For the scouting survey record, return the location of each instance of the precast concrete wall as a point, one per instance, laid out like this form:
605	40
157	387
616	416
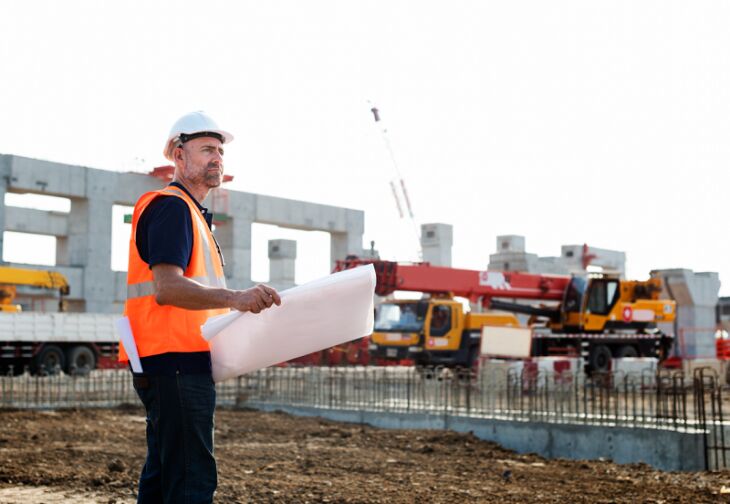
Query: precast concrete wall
663	449
83	235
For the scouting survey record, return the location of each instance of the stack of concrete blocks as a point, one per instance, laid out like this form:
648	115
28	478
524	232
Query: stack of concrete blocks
282	263
436	242
83	236
696	295
511	256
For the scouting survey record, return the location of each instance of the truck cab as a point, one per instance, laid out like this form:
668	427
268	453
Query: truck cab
434	331
399	324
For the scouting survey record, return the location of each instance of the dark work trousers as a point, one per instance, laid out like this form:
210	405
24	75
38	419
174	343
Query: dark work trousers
180	467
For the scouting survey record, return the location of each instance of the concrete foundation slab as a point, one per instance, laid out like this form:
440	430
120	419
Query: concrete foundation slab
664	449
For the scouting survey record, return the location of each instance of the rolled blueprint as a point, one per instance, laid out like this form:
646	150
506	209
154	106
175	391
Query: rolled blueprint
312	317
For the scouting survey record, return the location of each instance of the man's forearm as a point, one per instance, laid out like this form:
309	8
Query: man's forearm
185	293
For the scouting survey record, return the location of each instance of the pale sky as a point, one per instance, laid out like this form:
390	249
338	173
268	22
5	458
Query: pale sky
569	122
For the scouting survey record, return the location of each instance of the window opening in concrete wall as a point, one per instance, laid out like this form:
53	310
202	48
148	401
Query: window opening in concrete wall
313	252
28	248
121	229
38	201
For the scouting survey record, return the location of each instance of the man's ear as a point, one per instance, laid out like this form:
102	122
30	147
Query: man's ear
177	154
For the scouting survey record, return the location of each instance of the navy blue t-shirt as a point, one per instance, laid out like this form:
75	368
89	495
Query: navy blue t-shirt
165	230
165	236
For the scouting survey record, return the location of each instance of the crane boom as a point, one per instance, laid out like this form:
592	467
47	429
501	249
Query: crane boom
472	284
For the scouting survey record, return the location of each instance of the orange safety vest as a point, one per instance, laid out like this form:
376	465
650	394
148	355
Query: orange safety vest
159	329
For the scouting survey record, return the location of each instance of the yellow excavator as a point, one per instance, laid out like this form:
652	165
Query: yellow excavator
11	278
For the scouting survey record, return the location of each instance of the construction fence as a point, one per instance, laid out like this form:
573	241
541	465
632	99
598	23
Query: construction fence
664	400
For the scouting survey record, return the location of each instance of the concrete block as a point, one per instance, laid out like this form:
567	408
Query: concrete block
717	367
609	260
282	249
436	243
634	366
510	243
560	369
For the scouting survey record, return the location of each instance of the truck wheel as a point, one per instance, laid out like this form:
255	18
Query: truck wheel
80	359
50	360
600	359
627	351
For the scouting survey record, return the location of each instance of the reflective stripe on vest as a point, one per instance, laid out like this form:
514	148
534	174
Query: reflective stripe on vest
148	288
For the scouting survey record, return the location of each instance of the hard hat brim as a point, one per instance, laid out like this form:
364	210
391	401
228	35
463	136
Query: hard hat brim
227	138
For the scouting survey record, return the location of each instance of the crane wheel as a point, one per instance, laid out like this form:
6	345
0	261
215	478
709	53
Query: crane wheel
50	360
600	359
627	351
80	360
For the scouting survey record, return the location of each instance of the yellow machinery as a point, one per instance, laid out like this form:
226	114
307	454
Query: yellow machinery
602	317
431	331
603	303
10	278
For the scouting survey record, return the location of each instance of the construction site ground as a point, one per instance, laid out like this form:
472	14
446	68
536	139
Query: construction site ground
89	456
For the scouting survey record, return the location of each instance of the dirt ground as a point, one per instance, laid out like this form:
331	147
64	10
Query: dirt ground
90	456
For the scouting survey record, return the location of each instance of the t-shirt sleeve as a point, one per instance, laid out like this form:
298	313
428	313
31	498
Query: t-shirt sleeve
164	233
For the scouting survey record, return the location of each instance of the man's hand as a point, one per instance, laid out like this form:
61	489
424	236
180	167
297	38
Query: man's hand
255	299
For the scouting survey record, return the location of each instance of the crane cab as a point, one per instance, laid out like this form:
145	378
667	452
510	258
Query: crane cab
606	303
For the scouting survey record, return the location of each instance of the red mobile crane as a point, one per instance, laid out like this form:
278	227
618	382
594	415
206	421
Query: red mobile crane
598	317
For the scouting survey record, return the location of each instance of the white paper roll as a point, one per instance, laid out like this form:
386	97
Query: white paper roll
312	317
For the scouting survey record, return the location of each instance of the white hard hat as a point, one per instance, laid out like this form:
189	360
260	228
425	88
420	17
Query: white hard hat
193	125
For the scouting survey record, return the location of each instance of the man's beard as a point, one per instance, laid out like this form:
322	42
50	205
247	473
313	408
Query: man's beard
213	179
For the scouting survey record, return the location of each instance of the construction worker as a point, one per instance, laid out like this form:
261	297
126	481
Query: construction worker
175	282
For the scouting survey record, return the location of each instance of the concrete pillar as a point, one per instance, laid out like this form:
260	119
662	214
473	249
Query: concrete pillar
234	238
88	246
696	295
62	257
436	243
349	242
282	263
